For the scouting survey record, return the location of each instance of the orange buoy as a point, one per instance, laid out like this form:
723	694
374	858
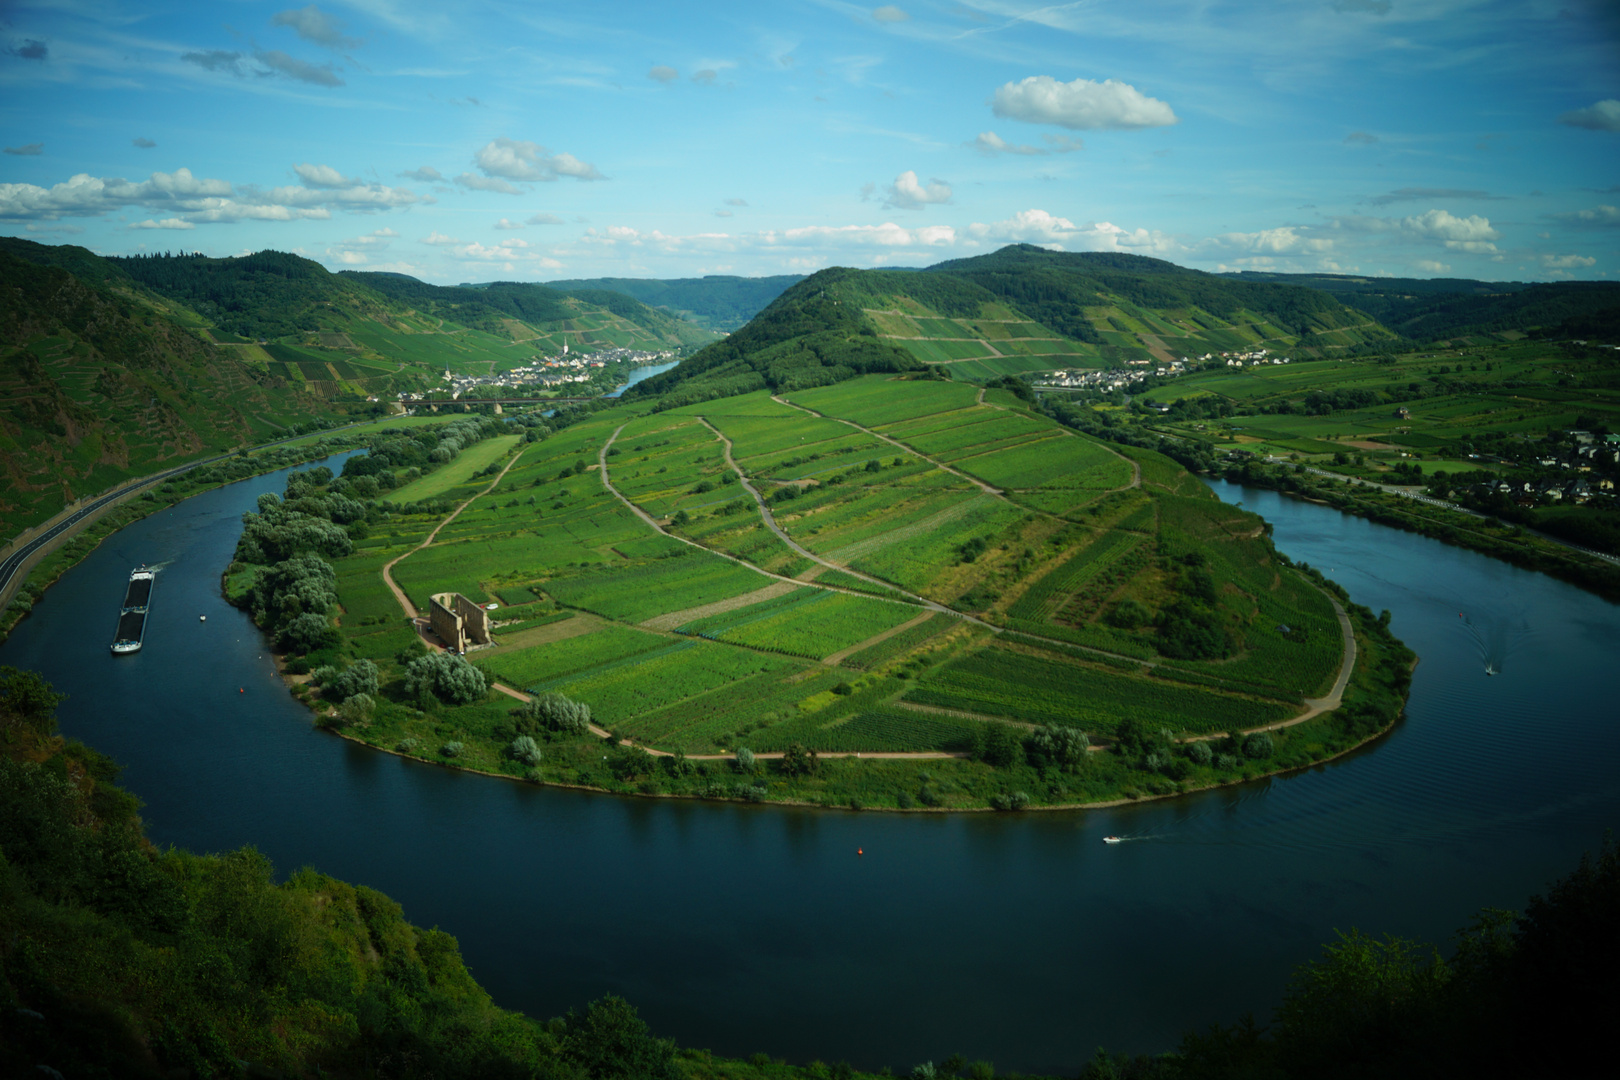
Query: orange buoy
858	851
241	690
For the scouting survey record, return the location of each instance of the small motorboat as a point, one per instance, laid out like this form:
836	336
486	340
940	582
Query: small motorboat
1113	839
1490	669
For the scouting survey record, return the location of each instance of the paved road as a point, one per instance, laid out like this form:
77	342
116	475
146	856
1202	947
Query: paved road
13	562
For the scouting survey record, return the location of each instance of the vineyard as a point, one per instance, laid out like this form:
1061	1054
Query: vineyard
702	630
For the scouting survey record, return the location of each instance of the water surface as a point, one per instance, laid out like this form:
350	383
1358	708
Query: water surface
1020	939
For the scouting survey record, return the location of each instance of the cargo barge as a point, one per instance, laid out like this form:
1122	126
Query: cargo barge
132	616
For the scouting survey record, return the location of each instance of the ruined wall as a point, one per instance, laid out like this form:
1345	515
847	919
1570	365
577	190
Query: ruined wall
458	622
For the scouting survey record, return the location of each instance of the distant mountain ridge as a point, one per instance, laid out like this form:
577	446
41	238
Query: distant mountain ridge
716	301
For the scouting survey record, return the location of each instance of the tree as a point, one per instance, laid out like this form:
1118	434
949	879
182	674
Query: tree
996	745
745	759
356	709
798	761
358	678
612	1042
553	712
27	702
526	750
307	633
446	676
1064	747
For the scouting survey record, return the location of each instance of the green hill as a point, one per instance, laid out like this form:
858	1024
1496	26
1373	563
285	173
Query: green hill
1020	310
1445	309
102	381
716	301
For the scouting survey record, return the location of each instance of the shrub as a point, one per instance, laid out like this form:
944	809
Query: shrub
1009	800
452	749
1225	762
358	678
307	633
1064	747
525	749
745	759
357	708
798	761
445	676
553	712
405	745
1258	745
996	745
751	792
1200	753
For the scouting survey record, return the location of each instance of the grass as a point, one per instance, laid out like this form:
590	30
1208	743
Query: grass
477	457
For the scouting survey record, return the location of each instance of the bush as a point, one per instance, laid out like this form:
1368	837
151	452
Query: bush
745	760
553	712
356	709
1013	800
358	678
307	633
452	749
798	761
751	792
1225	762
526	750
445	676
1258	745
1200	753
996	745
1064	747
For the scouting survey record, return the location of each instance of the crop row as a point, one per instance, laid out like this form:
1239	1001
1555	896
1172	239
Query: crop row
1063	461
1032	689
1064	579
886	730
638	593
664	678
715	718
900	644
821	626
1091	596
873	401
563	659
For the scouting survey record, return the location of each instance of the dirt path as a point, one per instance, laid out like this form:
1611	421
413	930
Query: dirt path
770	522
671	620
975	481
388	568
838	657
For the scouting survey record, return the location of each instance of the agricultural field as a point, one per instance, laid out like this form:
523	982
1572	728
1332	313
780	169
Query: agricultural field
951	568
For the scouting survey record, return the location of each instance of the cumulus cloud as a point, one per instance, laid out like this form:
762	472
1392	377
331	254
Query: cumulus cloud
264	62
1285	240
542	219
324	177
438	239
886	235
142	144
33	149
662	73
1080	105
30	49
1361	138
725	213
166	223
1472	233
1429	266
316	26
1567	262
506	223
990	144
506	159
359	249
1597	217
888	13
706	77
907	193
193	199
427	174
1599	116
1048	230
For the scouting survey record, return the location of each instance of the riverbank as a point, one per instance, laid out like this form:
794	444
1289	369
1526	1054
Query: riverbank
1476	532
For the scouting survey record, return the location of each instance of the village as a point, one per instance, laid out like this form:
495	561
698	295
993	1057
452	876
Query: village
563	369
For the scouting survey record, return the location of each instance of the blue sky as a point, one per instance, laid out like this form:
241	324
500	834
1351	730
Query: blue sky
535	141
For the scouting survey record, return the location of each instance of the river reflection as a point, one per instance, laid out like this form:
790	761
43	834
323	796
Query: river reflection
1020	939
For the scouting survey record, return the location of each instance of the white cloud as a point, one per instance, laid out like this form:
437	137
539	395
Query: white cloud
662	73
888	13
1567	262
1081	104
1599	116
1429	266
542	219
519	159
166	223
351	258
487	183
725	213
990	144
1596	217
1284	240
427	174
301	70
886	235
506	223
324	176
438	239
706	77
907	193
1472	233
314	25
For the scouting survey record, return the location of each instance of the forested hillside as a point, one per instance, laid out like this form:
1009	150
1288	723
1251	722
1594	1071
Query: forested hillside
716	301
99	384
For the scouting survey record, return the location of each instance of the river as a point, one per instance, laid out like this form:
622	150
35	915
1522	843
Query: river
1019	939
